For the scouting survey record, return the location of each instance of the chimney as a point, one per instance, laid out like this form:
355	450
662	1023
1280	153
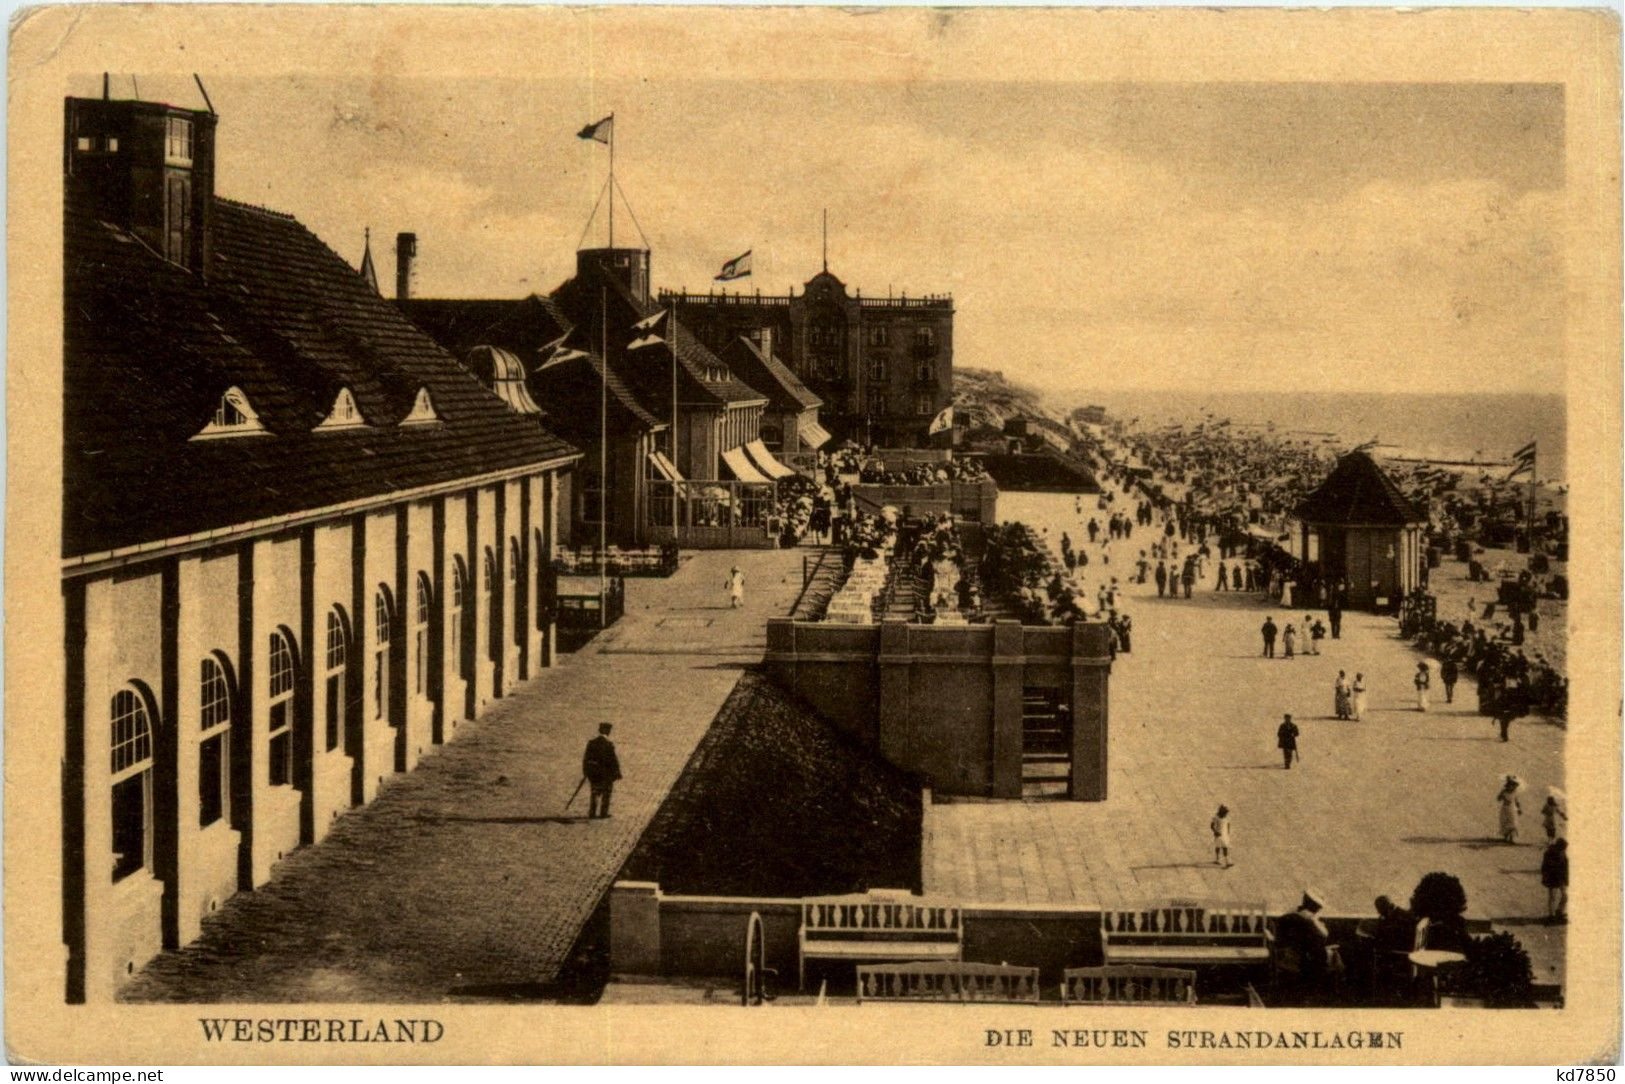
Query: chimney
406	250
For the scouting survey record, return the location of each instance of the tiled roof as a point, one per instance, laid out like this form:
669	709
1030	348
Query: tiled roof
1357	491
769	376
150	348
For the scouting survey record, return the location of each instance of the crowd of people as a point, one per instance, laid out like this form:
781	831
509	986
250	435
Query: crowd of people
1510	684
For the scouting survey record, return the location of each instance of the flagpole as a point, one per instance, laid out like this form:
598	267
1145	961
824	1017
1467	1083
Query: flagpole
1534	470
611	187
603	436
671	337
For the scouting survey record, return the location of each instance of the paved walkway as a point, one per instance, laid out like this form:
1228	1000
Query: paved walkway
465	878
1372	807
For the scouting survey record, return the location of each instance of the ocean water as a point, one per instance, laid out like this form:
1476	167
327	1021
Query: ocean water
1486	425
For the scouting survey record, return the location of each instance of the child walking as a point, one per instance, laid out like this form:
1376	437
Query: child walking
1220	827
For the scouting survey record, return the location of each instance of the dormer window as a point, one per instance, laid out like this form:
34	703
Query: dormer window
234	417
423	412
178	142
345	414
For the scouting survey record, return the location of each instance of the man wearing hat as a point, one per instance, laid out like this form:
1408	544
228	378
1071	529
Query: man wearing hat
1286	740
1301	937
602	768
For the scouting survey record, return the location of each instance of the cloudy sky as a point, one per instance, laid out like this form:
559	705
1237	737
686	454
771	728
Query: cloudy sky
1230	236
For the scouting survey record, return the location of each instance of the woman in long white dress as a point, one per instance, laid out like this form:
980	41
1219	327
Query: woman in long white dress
1511	808
1359	697
1422	680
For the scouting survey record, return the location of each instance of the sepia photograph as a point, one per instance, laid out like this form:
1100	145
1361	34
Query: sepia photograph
1006	536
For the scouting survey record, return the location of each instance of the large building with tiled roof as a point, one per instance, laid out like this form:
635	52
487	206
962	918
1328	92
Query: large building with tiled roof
882	365
301	543
578	395
677	409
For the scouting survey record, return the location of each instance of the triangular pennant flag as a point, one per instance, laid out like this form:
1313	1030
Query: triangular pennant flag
598	130
648	322
647	340
560	357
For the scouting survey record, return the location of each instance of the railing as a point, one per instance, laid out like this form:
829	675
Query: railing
948	982
931	301
1128	984
723	299
968	500
585	561
582	605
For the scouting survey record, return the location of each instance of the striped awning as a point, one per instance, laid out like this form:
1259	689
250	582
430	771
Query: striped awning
739	463
813	435
664	467
763	460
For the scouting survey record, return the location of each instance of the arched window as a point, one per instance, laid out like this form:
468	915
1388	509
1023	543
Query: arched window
132	783
338	654
280	757
380	673
493	623
214	747
513	560
421	633
459	591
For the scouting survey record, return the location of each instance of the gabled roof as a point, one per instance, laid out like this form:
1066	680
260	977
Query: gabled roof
570	393
770	376
1357	491
150	348
523	325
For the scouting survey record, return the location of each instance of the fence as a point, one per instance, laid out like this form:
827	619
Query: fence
976	501
586	603
714	514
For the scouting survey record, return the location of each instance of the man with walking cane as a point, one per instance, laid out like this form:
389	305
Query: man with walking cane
600	768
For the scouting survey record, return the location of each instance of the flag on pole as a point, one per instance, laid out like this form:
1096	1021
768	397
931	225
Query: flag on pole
942	422
648	323
559	357
736	268
549	349
1523	461
598	130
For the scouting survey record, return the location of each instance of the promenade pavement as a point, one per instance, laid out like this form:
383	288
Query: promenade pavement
1372	807
467	879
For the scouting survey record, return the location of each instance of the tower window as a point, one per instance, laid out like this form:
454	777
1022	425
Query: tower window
178	141
179	233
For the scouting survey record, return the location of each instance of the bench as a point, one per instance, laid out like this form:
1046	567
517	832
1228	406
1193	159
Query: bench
1186	932
878	927
950	981
1127	984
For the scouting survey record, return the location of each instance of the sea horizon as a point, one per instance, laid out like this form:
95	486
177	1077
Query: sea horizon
1485	426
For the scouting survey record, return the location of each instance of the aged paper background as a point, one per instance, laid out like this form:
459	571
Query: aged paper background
52	46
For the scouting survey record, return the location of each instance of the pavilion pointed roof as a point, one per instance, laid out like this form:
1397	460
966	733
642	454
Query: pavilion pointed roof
1358	492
